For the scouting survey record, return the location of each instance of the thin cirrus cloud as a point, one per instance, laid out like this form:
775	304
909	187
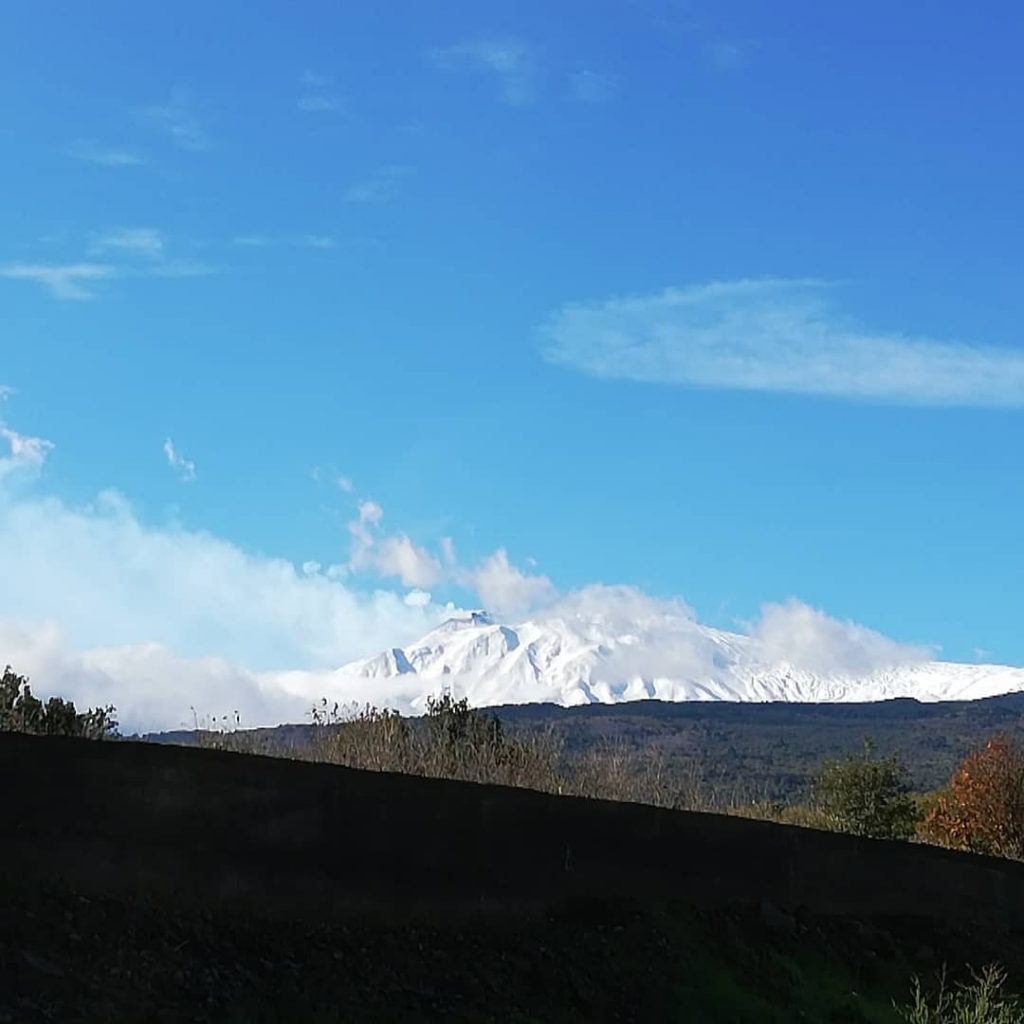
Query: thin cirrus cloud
730	54
146	242
185	469
591	86
776	336
307	241
176	120
316	103
317	97
117	253
92	152
509	60
64	281
382	186
317	241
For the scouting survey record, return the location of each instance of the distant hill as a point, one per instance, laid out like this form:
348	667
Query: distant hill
759	751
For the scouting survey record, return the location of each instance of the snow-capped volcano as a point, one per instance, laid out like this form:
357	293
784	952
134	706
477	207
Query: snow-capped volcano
583	655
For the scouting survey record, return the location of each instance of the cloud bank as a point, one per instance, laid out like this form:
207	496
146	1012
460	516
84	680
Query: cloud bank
793	633
103	607
774	335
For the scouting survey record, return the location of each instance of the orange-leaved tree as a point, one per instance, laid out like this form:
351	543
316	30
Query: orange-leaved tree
982	807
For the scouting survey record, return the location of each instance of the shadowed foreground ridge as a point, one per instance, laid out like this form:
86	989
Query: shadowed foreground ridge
491	875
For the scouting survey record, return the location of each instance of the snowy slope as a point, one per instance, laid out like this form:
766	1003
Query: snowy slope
583	659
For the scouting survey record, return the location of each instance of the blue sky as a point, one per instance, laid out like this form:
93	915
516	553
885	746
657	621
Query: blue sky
721	301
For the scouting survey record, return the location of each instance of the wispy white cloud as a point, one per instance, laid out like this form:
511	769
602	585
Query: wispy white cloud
306	241
342	482
317	103
730	54
317	97
93	152
774	335
116	253
62	280
317	241
170	268
510	60
380	187
24	453
146	242
185	468
590	86
176	119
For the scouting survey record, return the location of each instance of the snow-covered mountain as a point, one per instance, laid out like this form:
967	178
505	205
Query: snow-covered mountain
572	659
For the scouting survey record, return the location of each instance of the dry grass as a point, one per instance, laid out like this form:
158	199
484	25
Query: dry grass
453	741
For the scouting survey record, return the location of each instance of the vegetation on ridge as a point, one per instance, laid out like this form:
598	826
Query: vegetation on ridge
22	711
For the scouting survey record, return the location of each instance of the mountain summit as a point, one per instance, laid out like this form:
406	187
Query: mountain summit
580	656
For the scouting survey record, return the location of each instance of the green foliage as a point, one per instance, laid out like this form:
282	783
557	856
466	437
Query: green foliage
866	795
980	1001
22	711
452	725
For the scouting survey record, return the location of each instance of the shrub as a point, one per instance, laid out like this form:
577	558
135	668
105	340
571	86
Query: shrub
978	1002
455	741
866	796
802	815
22	711
452	740
982	808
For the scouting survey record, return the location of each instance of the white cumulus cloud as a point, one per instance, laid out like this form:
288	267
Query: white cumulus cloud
796	634
389	555
505	590
111	579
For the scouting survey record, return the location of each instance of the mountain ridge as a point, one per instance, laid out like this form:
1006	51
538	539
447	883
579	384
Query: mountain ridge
573	658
